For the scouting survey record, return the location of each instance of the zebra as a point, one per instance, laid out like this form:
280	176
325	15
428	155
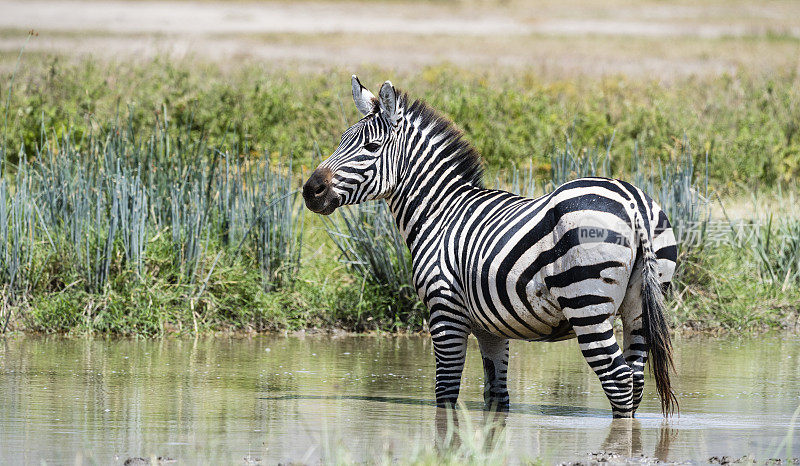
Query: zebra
500	266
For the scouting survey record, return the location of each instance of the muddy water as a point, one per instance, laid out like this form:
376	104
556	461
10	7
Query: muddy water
305	399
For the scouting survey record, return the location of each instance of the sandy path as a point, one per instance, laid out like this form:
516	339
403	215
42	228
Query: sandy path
238	18
552	36
316	18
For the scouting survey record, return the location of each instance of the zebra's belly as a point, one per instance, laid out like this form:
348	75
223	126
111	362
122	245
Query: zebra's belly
533	314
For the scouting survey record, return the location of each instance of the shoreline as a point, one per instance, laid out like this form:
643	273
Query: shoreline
681	332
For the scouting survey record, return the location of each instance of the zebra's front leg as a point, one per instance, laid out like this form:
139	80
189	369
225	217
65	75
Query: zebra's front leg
494	351
591	323
450	349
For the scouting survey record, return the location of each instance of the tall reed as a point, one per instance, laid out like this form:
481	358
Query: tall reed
259	212
94	205
18	220
569	162
675	187
776	248
372	246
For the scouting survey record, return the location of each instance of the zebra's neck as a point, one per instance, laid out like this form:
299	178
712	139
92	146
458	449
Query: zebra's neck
435	166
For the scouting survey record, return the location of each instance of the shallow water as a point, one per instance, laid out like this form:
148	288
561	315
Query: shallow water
305	399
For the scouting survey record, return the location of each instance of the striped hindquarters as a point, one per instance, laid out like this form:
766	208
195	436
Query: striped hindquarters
518	260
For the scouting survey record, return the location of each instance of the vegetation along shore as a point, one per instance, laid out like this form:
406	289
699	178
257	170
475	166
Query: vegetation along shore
162	197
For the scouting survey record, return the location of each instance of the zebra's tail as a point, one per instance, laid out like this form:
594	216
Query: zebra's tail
654	324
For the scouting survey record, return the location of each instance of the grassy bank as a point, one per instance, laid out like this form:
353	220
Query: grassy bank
156	232
162	198
746	122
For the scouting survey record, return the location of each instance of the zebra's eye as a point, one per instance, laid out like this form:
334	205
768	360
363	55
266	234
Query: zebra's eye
372	146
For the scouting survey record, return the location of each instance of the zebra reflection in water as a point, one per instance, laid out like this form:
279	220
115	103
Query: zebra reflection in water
622	442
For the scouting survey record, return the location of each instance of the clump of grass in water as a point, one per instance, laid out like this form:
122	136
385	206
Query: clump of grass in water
788	442
459	440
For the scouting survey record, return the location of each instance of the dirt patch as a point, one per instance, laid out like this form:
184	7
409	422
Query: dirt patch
580	37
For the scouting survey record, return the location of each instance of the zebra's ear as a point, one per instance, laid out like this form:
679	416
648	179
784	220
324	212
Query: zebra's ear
388	98
362	97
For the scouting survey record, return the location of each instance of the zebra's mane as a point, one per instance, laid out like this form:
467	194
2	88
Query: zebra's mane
453	147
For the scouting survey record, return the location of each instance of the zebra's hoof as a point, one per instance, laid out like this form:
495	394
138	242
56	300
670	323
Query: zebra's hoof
498	406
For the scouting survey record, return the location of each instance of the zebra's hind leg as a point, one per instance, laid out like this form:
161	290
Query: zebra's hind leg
494	351
589	317
635	346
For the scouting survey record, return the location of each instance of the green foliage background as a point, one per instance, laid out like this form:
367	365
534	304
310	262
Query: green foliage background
746	124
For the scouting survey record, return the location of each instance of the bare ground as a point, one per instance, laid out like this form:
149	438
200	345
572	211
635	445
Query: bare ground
650	38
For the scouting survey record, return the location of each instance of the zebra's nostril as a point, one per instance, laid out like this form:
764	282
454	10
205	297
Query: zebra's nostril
320	190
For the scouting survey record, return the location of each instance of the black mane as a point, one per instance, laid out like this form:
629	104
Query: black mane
467	160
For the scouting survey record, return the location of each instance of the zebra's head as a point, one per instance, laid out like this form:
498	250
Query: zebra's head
362	167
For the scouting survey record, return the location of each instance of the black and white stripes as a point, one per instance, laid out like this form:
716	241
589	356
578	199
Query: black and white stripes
501	266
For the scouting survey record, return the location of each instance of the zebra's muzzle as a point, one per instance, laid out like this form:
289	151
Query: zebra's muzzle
318	194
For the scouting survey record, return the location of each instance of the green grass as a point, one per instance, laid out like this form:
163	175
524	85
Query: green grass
747	123
161	198
718	288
